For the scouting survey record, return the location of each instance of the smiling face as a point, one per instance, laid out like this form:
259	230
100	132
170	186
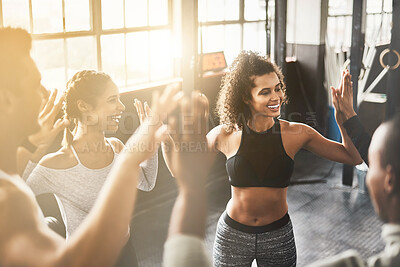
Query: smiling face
267	96
108	108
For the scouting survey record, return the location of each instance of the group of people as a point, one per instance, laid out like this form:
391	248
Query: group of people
96	178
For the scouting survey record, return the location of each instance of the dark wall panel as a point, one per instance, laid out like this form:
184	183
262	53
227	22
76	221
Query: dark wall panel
310	59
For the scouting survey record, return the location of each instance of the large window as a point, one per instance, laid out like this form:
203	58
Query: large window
378	21
132	40
232	26
128	39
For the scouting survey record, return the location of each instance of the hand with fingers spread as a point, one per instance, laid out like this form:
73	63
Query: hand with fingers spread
152	132
49	129
342	98
160	111
191	159
140	110
49	126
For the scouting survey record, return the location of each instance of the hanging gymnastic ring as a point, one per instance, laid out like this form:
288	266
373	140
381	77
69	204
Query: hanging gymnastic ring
384	52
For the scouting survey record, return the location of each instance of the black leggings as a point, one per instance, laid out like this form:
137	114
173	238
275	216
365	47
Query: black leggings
237	244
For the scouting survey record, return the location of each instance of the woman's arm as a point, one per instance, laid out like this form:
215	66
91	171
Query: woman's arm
344	152
148	169
313	141
148	173
167	149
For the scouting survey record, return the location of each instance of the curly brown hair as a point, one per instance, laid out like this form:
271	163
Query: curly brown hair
236	86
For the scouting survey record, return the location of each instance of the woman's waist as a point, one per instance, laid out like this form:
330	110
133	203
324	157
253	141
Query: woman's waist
256	229
258	196
257	209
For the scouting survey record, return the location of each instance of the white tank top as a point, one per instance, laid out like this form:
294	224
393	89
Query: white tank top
78	186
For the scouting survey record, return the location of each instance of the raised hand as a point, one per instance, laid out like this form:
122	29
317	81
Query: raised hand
140	110
49	127
152	132
191	159
342	98
162	108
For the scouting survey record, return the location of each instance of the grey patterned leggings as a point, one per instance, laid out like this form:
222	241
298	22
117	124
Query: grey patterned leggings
237	244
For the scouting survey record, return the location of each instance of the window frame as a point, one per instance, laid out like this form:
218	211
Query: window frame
241	22
367	14
97	32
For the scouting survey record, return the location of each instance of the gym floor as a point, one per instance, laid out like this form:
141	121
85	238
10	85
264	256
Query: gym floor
328	218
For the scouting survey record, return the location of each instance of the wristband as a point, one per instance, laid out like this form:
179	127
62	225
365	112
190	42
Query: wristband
28	145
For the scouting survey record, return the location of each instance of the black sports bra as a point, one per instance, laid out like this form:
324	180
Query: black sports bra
261	160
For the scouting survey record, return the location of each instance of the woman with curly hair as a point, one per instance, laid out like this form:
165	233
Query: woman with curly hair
260	149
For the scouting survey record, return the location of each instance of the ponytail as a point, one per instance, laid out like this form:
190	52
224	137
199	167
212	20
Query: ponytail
68	134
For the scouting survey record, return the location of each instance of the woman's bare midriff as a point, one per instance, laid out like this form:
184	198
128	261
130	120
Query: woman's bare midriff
257	206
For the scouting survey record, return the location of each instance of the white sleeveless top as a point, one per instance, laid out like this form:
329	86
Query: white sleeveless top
78	186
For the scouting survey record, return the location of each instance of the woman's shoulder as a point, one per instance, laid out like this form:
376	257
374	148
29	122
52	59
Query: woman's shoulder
62	159
116	143
290	126
220	135
302	131
221	131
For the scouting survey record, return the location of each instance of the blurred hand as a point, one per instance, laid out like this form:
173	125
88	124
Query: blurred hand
140	110
49	128
146	140
191	158
160	111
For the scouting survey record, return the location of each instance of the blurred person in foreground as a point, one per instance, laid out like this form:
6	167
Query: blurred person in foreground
25	239
192	160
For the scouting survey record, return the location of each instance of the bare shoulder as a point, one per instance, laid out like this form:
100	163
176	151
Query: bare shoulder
17	201
23	235
218	133
295	128
222	139
296	135
116	143
62	159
